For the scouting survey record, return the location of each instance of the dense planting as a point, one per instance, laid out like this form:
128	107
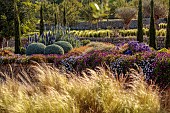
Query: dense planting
120	59
59	69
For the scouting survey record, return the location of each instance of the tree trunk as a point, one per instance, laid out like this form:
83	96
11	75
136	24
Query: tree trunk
126	26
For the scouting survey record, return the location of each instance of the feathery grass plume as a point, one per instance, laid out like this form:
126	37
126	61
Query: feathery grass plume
97	92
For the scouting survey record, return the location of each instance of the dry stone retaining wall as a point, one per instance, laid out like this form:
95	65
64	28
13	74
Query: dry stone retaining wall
112	24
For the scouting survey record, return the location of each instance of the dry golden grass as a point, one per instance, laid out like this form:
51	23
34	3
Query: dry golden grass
99	46
95	92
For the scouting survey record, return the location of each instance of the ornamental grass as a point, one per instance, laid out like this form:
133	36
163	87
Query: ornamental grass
97	91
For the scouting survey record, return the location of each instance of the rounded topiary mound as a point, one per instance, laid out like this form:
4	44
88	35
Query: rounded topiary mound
35	48
54	49
65	45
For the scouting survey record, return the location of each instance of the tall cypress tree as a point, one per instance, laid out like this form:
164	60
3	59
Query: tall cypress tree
55	21
152	31
140	23
41	21
167	43
64	16
17	28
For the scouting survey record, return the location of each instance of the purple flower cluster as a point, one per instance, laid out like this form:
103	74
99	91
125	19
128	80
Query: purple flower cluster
138	47
147	67
68	63
117	66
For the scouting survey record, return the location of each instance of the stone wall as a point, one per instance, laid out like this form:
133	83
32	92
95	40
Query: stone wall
115	23
111	23
11	42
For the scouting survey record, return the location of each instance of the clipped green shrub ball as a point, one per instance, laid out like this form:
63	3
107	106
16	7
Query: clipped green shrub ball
54	49
35	48
65	45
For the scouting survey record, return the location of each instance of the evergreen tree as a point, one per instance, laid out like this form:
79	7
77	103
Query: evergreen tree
55	21
41	21
64	17
140	23
17	28
167	43
152	31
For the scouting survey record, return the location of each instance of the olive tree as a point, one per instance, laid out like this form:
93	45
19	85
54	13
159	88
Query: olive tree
127	14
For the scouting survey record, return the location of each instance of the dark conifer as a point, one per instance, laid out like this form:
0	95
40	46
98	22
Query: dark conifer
41	21
17	28
152	31
167	43
140	23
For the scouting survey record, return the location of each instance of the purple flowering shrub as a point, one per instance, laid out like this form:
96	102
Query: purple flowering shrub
134	46
138	47
161	69
155	66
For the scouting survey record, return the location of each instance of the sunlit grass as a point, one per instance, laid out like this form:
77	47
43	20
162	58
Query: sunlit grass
95	92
